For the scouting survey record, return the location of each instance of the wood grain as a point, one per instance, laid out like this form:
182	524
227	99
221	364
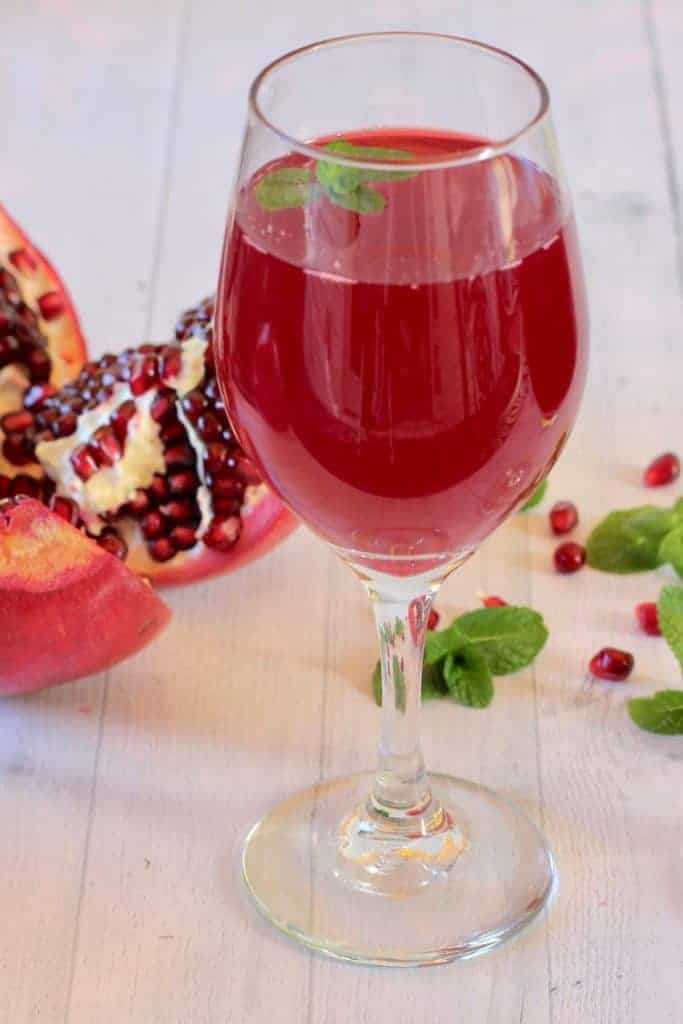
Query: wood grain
124	800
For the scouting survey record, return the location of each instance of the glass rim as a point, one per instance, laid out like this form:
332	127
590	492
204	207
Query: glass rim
475	155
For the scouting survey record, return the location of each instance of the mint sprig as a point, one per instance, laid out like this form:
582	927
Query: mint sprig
460	661
663	712
630	540
286	188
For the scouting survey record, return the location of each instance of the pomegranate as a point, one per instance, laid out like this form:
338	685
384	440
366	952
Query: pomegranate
662	470
139	452
68	608
612	664
648	618
569	557
563	517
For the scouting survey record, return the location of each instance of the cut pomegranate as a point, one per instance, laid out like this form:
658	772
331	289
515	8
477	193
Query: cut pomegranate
569	557
563	517
433	620
612	664
663	470
68	608
648	618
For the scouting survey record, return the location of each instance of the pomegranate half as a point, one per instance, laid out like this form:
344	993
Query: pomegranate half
67	607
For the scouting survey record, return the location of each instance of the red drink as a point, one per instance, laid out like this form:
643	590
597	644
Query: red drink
403	378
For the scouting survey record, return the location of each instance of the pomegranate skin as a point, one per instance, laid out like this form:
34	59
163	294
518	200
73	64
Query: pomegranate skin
68	608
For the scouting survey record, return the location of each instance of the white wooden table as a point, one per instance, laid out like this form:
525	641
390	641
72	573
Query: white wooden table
123	798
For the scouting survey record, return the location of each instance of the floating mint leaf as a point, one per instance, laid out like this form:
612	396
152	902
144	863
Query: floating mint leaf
508	638
662	713
468	678
670	616
362	200
536	498
671	549
284	188
628	540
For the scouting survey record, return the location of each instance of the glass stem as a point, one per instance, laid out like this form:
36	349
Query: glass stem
401	796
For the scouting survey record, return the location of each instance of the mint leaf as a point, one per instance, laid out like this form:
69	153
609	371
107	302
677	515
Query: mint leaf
628	540
508	638
678	510
468	678
671	549
377	684
662	713
399	683
345	179
441	642
284	188
670	615
536	498
362	200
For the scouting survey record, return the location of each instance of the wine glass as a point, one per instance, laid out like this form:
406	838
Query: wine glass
401	345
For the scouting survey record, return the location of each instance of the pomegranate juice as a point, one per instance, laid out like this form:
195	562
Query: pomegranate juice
403	376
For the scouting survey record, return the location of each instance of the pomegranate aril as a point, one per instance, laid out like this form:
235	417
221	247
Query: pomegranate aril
18	449
493	601
163	406
163	549
183	482
193	405
138	503
36	396
65	425
144	375
172	431
179	456
16	421
563	516
433	620
226	506
113	542
153	525
217	456
4	485
223	532
121	417
611	663
51	305
227	487
24	261
24	484
662	470
39	364
648	618
183	537
180	511
247	470
105	447
83	462
159	487
171	364
66	508
209	427
569	557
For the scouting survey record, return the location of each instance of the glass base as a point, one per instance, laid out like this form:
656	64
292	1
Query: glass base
322	872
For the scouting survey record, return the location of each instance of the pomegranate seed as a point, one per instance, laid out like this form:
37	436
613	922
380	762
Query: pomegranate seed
217	456
569	557
611	663
183	482
159	487
209	427
121	418
492	601
24	484
247	470
138	503
66	508
51	305
563	516
223	532
112	542
172	431
226	506
83	462
4	485
65	425
179	456
227	487
180	510
162	406
171	364
39	364
183	537
105	447
37	395
433	620
24	261
144	375
193	404
153	525
18	450
16	421
162	549
662	470
648	618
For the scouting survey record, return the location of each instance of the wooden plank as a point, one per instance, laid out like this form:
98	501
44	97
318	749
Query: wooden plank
81	152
